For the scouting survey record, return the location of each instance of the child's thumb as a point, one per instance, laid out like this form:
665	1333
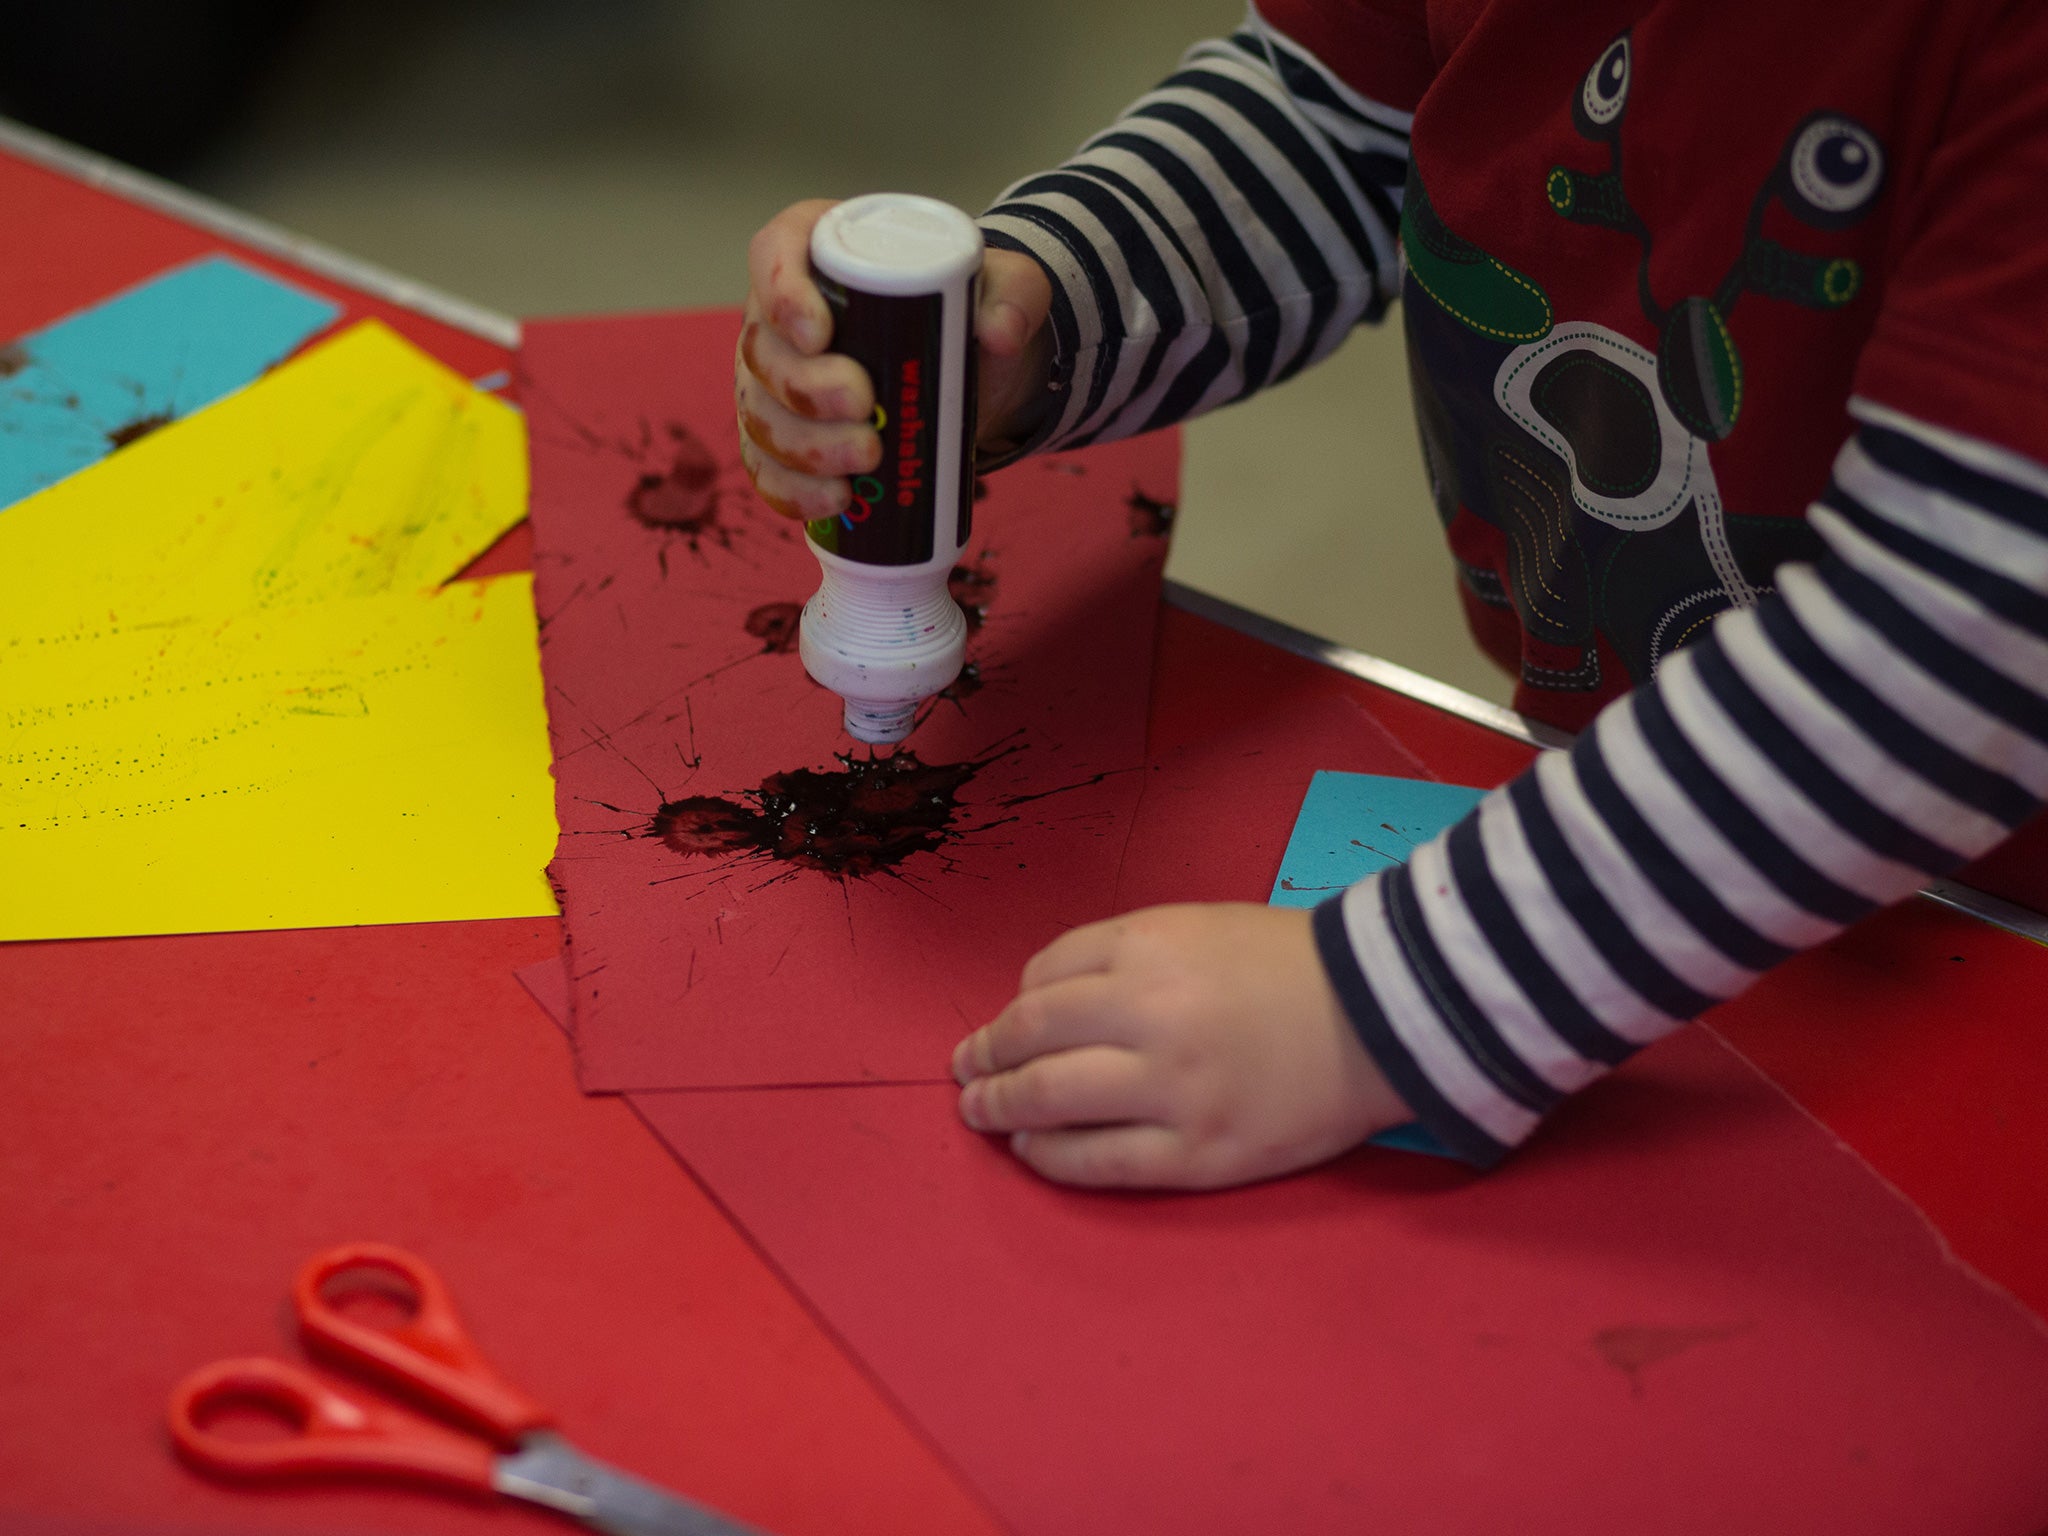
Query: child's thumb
1016	298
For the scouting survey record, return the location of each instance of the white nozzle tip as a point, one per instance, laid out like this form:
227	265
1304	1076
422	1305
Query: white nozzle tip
880	726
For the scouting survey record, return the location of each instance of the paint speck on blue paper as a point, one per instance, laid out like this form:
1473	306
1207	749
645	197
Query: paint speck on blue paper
1354	823
94	382
1350	825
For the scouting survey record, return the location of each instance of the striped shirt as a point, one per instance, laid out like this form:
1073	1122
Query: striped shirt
1878	717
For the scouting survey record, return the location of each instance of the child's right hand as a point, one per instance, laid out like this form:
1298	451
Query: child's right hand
806	414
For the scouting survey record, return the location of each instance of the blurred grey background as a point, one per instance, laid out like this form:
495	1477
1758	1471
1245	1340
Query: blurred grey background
548	157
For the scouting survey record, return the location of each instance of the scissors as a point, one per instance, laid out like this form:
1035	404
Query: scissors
511	1448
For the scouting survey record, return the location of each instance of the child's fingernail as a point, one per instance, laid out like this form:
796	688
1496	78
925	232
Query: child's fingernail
1019	1140
970	1107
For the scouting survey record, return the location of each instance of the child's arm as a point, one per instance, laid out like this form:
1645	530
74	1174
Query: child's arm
1881	717
1227	231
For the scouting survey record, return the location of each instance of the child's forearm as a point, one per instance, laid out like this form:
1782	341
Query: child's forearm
1882	717
1224	233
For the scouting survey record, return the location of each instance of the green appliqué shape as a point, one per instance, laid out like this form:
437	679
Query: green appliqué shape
1487	295
1700	369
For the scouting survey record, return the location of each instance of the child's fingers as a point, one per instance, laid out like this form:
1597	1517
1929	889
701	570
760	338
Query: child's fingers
824	449
1109	1157
779	268
1087	1010
1079	951
827	387
1094	1085
806	498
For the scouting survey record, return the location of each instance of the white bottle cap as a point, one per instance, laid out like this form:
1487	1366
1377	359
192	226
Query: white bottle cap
896	243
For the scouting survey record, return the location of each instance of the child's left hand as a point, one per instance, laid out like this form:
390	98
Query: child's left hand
1186	1047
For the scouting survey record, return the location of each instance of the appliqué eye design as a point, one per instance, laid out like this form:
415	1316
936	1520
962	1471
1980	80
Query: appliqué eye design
1605	92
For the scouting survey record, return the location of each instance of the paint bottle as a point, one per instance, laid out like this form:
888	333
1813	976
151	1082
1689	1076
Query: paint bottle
899	274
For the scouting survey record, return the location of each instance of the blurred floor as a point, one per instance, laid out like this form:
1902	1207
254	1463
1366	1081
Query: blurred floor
558	156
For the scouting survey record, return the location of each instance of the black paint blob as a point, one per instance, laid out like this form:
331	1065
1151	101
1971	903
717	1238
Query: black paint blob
1150	519
864	817
13	358
776	626
139	428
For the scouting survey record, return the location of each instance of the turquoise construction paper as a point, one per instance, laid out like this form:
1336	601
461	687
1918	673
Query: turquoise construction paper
82	388
1350	825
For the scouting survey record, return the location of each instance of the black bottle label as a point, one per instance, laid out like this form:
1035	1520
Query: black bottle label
895	511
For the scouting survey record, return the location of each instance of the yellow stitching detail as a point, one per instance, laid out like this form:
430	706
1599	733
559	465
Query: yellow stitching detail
1489	330
1728	341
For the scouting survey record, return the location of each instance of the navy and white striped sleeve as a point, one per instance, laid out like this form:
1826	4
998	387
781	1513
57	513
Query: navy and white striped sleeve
1224	233
1880	718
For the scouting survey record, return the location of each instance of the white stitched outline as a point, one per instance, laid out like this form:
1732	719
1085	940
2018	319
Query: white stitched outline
1685	474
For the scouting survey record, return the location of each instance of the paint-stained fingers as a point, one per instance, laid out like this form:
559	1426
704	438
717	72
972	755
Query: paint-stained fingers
817	448
804	498
1081	951
1094	1085
779	268
1111	1157
830	387
1084	1010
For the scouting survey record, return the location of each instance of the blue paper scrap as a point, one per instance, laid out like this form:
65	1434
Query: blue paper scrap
77	390
1350	825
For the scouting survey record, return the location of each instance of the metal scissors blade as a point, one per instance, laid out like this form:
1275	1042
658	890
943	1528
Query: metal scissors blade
548	1470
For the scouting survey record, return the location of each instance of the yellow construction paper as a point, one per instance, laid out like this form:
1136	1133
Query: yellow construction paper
362	466
374	760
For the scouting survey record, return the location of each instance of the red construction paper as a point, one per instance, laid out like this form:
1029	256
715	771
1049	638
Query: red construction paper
1917	1038
1237	729
1685	1310
667	596
187	1120
65	245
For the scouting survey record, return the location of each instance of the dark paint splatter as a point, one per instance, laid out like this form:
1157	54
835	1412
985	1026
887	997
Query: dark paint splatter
13	358
859	820
1150	519
139	428
1633	1350
684	499
777	626
972	587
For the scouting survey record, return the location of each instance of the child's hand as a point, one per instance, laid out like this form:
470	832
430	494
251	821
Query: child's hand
805	413
1190	1047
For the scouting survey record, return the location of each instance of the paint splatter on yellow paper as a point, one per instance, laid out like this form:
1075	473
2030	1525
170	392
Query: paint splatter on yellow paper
375	760
362	466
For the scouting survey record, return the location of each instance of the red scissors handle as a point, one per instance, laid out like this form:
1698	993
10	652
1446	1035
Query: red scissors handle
335	1433
429	1356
